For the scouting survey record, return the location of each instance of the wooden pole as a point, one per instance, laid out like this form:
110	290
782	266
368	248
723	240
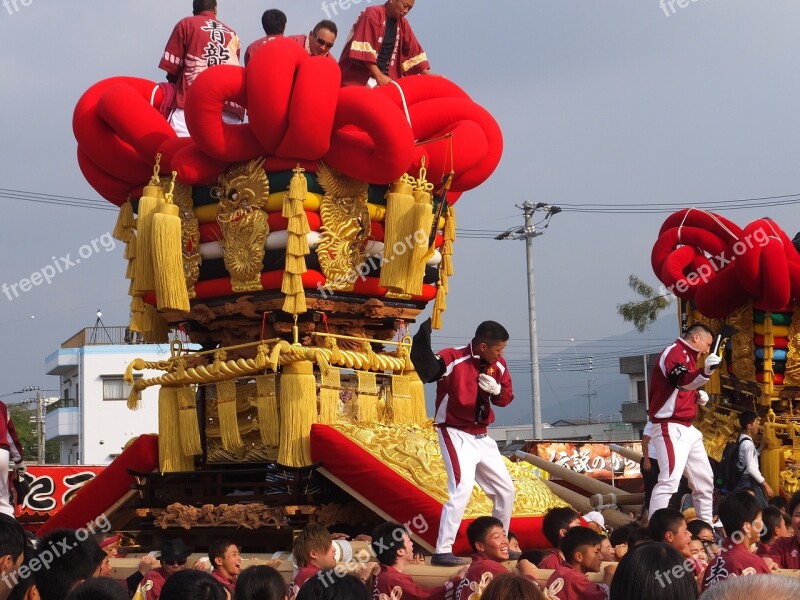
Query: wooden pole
626	452
614	518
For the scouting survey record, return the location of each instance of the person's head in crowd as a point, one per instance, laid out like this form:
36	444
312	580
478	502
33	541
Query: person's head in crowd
639	537
596	521
73	558
419	554
696	550
703	532
690	514
774	525
741	512
15	587
314	547
261	583
328	585
322	38
581	549
513	542
490	338
654	571
512	587
174	554
754	587
556	523
199	6
110	543
488	538
99	588
273	21
620	537
191	584
793	510
12	547
392	545
778	502
668	525
749	422
607	550
225	558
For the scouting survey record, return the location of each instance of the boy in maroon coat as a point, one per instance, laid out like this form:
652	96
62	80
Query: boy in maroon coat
785	552
581	549
394	550
740	514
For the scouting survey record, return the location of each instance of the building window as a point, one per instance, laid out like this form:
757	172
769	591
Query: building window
641	392
115	388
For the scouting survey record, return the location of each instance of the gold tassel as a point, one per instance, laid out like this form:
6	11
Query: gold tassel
167	252
298	406
267	405
330	387
400	401
152	197
137	323
445	270
399	226
170	454
296	244
190	428
228	422
156	328
123	230
418	409
135	398
367	401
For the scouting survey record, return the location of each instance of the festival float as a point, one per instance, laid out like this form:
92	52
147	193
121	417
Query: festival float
745	283
295	249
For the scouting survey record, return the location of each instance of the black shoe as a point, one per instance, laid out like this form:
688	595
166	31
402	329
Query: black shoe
514	554
447	559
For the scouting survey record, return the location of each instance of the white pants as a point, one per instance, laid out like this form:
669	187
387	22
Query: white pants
5	502
178	121
679	450
469	460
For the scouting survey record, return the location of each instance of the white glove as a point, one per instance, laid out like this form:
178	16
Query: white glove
488	384
712	362
702	398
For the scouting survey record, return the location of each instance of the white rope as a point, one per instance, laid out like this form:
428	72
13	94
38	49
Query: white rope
403	98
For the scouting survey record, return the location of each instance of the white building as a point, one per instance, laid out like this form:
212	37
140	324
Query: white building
91	420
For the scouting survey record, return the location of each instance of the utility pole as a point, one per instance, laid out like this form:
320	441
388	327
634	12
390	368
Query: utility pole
528	232
40	430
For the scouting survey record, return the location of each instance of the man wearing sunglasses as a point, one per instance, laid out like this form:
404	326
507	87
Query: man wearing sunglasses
382	47
173	559
320	40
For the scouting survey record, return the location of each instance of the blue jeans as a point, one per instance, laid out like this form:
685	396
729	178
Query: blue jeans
746	483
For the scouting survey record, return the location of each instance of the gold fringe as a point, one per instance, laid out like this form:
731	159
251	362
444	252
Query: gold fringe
367	401
137	323
167	253
148	205
298	406
400	407
156	328
399	226
771	466
445	269
791	377
170	454
418	410
296	244
330	387
267	405
123	230
226	408
190	428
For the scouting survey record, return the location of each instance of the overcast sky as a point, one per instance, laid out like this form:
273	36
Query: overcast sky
599	101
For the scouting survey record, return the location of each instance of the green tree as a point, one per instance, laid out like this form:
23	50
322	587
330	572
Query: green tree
645	312
24	417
